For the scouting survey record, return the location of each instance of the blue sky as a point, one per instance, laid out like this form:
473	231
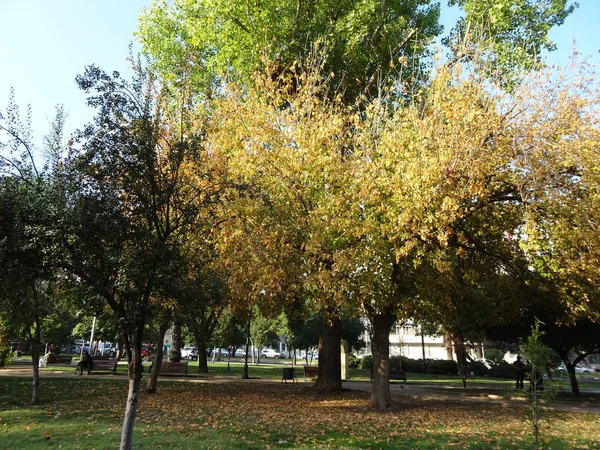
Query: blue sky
46	43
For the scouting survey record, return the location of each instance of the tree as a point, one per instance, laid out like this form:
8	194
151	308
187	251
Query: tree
296	162
137	182
506	36
29	255
226	37
365	41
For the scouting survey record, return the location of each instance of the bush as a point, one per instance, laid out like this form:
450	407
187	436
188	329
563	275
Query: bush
413	365
442	367
502	370
477	368
366	362
353	362
495	354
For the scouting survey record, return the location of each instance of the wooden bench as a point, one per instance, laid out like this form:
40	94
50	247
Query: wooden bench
172	368
51	358
395	374
311	371
398	375
103	365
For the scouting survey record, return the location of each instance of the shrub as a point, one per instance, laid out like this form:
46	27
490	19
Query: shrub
495	354
353	362
366	362
502	370
413	365
442	367
477	368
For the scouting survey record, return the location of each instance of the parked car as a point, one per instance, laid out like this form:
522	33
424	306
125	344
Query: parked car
270	353
222	351
562	370
76	349
146	349
190	353
240	353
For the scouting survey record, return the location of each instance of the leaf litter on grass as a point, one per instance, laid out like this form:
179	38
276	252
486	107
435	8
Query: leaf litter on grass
257	415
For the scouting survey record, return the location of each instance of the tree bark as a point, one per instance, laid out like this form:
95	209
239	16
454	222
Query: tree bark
134	357
572	378
461	358
153	379
245	374
177	344
202	360
35	361
382	323
330	363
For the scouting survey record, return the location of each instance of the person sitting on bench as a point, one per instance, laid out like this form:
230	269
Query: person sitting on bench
86	362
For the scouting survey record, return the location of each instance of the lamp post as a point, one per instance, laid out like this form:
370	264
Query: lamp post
92	334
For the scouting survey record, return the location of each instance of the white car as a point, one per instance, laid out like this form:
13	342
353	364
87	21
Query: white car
270	353
190	353
562	369
239	353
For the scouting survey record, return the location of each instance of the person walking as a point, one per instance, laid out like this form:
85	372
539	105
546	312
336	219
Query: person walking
520	372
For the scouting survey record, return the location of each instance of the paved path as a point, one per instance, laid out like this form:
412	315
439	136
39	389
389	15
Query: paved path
497	397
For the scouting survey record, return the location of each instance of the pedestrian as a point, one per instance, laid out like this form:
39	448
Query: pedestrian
520	372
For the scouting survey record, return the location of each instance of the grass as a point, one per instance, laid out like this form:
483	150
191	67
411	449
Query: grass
84	413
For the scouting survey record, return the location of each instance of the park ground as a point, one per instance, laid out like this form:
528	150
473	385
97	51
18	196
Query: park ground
221	411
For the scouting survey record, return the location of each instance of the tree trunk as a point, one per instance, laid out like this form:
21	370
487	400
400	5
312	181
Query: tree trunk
35	361
461	359
134	357
177	344
245	374
153	379
572	378
381	397
330	358
202	360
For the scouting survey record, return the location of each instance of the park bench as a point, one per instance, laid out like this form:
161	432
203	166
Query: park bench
395	374
172	368
311	371
398	375
51	358
100	364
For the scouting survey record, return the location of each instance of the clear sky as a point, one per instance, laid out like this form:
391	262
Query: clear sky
44	44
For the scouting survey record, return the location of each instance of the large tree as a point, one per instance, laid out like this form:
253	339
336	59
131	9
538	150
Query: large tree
29	254
137	179
365	40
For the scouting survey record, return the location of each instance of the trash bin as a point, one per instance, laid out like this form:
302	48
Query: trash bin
289	373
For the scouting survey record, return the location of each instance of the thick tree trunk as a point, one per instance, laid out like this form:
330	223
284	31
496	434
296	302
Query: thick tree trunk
381	397
330	363
153	378
202	360
177	344
573	379
135	381
461	359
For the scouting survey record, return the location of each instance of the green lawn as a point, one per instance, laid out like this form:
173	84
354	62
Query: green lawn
83	413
